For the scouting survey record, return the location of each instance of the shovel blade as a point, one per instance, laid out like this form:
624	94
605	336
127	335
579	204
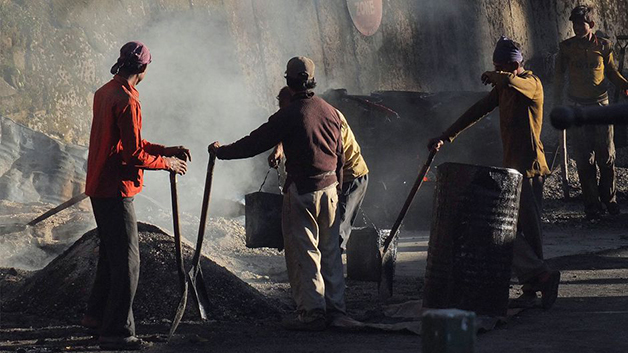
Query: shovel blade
12	228
180	311
199	291
387	274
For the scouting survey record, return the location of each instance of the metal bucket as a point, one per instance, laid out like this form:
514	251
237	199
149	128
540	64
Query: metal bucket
471	241
262	213
364	254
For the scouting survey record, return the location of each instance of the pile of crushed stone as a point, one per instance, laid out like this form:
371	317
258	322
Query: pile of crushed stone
60	290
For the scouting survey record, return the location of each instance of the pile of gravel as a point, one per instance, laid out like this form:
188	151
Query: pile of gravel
60	290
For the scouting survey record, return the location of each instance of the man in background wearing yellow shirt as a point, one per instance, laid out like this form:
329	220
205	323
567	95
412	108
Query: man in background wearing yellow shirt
354	182
588	60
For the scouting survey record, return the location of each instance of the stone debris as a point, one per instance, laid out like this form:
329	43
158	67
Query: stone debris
61	289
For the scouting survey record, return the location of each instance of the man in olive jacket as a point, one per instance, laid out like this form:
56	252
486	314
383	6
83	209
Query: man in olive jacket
519	95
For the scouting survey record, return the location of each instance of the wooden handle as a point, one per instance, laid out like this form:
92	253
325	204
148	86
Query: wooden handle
205	207
71	202
177	230
409	199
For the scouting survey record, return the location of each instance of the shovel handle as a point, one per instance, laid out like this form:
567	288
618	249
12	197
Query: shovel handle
71	202
409	199
177	230
205	207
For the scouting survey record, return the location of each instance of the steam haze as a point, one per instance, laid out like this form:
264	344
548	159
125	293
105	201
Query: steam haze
194	93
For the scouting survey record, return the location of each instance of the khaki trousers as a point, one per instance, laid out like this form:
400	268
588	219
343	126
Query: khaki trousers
594	145
312	253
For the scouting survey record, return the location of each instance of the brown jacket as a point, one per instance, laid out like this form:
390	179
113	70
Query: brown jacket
309	129
520	101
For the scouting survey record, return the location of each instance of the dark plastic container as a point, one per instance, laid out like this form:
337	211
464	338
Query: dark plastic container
262	213
471	241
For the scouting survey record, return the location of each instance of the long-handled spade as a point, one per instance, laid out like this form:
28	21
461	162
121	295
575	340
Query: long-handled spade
18	227
195	275
387	272
622	55
180	265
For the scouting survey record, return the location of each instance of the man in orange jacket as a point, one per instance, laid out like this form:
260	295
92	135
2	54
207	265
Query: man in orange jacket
117	157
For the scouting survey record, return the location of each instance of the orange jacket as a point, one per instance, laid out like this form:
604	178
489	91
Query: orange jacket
117	152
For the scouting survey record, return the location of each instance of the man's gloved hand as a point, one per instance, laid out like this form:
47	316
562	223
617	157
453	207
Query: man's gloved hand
176	165
179	152
435	144
214	147
275	156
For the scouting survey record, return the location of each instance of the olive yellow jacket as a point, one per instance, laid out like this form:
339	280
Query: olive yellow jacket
520	101
354	166
586	63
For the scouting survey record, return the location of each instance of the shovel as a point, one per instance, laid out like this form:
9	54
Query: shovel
180	266
387	273
18	227
195	275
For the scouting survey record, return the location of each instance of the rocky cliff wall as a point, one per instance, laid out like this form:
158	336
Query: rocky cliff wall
231	53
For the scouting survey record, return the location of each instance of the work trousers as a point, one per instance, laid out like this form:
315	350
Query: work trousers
349	202
594	145
118	268
312	253
527	259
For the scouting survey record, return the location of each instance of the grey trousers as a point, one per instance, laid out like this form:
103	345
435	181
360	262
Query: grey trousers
527	259
594	145
118	268
349	202
312	253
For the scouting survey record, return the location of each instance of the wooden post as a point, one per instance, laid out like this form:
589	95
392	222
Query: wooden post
564	163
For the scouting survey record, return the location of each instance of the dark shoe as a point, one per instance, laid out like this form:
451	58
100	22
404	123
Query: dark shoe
549	289
613	209
131	343
524	301
303	322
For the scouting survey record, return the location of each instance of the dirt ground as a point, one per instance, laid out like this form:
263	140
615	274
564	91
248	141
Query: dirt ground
590	314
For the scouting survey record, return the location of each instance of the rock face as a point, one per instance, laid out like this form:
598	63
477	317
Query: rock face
60	290
37	168
54	54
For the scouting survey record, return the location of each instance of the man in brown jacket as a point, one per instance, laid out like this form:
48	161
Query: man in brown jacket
309	131
519	95
354	173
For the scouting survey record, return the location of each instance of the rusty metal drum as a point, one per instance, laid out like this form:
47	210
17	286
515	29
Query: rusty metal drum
473	230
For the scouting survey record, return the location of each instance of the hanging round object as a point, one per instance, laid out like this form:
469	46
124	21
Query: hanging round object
366	15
